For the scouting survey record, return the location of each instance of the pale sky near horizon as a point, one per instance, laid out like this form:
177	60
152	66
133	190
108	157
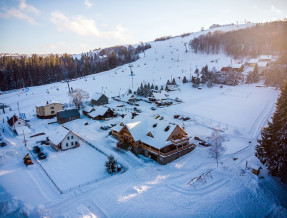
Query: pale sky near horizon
59	26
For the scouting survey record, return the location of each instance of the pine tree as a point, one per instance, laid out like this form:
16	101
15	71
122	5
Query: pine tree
272	147
184	80
156	87
111	165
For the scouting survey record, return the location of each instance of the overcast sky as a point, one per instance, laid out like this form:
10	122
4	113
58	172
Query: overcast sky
74	26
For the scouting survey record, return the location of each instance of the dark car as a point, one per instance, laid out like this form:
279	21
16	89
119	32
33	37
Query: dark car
45	142
105	127
41	155
153	108
36	149
3	144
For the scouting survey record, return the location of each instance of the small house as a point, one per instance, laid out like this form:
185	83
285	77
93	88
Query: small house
88	109
226	69
63	139
128	98
18	125
67	115
253	62
99	99
157	96
238	67
262	64
101	113
157	139
265	58
48	110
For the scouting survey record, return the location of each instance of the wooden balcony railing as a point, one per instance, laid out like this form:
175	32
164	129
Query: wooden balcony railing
170	152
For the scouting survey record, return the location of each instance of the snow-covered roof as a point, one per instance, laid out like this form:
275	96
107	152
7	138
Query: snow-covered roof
44	103
253	61
88	109
140	129
20	130
127	97
58	136
237	66
159	95
265	57
172	87
262	64
96	96
100	110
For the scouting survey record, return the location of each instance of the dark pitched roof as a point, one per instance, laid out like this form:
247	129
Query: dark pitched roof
68	113
13	120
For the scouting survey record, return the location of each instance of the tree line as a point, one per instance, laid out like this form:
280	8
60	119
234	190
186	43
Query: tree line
267	38
23	71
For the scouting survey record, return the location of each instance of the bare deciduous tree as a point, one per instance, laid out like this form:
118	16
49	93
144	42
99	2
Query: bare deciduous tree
216	144
78	96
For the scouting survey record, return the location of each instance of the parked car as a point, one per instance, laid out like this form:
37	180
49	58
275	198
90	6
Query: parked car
176	116
153	108
45	142
105	127
3	144
36	149
41	155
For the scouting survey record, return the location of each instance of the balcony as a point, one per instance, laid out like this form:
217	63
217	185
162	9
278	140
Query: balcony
180	141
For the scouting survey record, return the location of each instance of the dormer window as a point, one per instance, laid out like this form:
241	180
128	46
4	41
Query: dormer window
167	128
150	134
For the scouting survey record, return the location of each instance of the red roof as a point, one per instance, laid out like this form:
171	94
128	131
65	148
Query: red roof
226	69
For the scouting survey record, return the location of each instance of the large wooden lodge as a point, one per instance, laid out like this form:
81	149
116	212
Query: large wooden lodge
159	140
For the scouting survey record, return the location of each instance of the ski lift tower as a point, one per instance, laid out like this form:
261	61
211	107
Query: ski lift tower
132	75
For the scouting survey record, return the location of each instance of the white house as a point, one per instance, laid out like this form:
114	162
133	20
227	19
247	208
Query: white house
19	125
64	139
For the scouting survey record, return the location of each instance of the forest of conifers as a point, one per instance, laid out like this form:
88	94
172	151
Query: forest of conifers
267	38
23	71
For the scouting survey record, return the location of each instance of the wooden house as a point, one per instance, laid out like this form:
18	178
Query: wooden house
262	65
265	58
157	96
63	139
67	115
225	69
157	139
99	99
128	98
253	62
238	67
88	109
101	113
48	110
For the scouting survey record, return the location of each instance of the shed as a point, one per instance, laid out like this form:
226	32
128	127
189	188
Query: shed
67	115
99	99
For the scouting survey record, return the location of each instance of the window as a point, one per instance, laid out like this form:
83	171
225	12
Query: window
67	144
76	143
19	123
72	143
52	107
68	138
72	137
52	112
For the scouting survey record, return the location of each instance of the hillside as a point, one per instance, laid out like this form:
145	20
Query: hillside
145	188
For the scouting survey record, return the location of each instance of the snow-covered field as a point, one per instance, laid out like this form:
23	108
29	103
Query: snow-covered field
145	189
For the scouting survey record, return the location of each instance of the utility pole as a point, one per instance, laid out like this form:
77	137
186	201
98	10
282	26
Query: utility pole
68	85
132	75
